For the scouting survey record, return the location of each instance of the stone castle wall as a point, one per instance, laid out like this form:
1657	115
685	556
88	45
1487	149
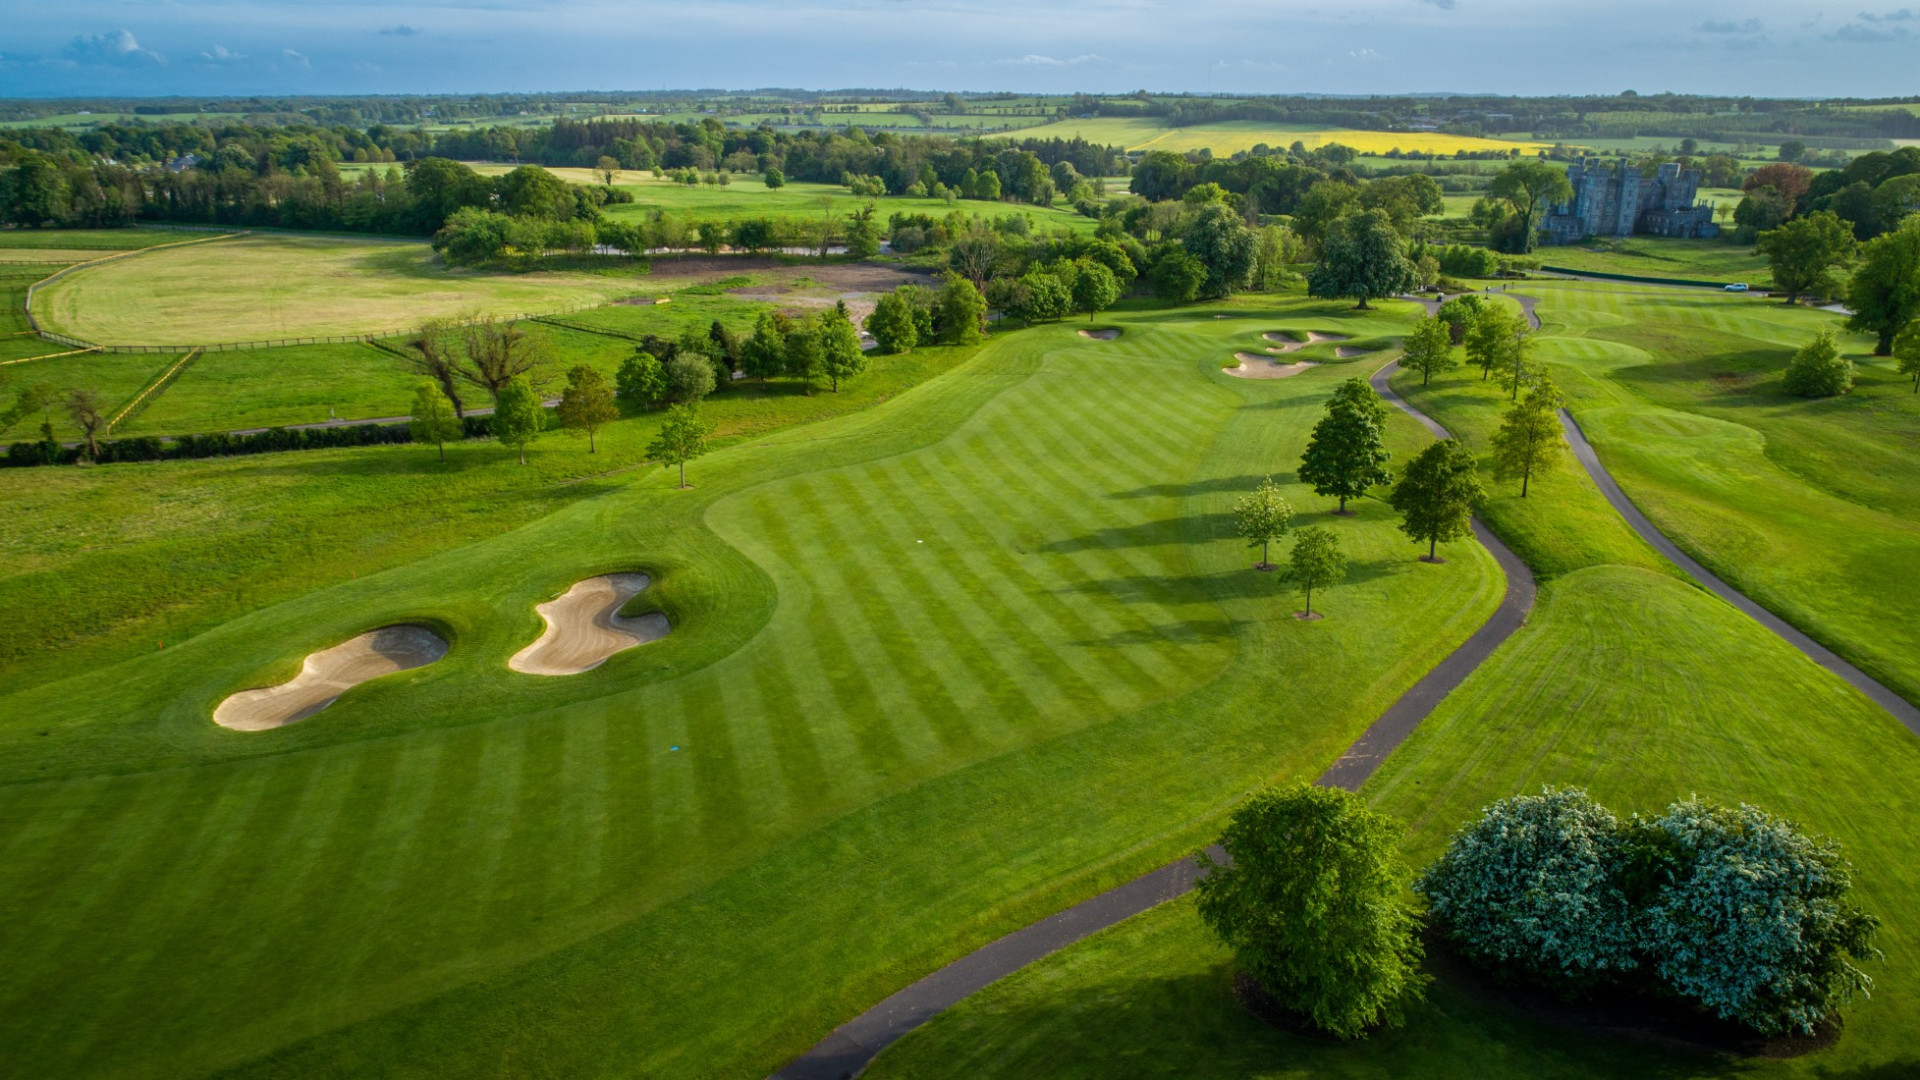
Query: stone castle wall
1615	200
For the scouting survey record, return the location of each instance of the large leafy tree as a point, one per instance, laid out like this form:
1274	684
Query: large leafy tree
1176	275
682	437
1095	287
1535	887
1363	257
1225	246
641	380
764	354
961	311
1528	187
1429	349
1494	340
892	324
1346	456
1750	916
1807	252
1529	439
1437	494
1261	518
840	354
1312	906
1906	350
1885	292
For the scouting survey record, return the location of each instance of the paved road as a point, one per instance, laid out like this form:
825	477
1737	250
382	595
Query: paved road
850	1047
1902	709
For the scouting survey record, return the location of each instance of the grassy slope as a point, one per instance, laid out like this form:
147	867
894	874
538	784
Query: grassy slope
1652	256
270	287
1807	506
1627	681
932	741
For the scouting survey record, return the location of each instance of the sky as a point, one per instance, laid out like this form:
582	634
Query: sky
53	48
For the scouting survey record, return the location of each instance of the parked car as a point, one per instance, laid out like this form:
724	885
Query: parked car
1737	287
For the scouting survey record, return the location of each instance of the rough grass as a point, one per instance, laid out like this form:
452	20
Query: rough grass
256	388
95	242
1654	256
279	286
937	668
117	379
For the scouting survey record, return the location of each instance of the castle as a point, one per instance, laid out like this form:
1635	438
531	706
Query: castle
1617	201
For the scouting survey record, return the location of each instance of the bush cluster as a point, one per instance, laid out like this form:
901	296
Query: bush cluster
222	444
1730	908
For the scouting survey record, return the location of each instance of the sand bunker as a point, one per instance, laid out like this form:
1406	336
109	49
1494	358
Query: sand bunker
584	627
1287	344
1255	366
329	673
1100	335
1349	352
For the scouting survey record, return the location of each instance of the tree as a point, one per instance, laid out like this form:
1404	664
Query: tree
1493	341
1261	518
1818	369
587	403
1805	252
1437	495
1906	349
433	419
1459	314
1429	349
1224	245
1363	257
1528	187
974	253
608	168
439	359
498	352
765	353
892	324
1529	439
1094	288
1316	563
1039	297
1176	276
1311	905
804	354
682	437
1751	917
863	235
1787	182
517	415
961	310
1535	886
89	414
840	355
641	380
1885	292
1346	456
774	178
1275	248
689	376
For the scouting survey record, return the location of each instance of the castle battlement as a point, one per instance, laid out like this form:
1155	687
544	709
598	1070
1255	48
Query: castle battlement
1614	199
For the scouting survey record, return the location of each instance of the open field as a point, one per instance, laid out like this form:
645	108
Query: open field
935	668
276	286
1229	137
1654	256
1626	681
98	241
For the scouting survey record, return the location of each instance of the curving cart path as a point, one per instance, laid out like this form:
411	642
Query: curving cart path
1902	709
846	1051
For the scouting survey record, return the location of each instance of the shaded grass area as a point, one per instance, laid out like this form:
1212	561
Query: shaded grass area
937	668
96	240
1626	680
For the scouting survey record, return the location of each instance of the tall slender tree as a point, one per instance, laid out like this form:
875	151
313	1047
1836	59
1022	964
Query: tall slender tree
1429	349
433	419
683	437
1906	349
1316	563
1261	518
1529	439
586	405
517	415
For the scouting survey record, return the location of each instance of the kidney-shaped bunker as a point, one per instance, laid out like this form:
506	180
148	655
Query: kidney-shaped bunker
329	673
584	627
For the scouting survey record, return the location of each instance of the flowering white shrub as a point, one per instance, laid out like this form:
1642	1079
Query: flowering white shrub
1532	888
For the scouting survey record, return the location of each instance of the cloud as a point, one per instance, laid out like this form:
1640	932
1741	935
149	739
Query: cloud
1749	26
1857	34
1902	15
220	54
1443	5
116	48
296	59
403	30
1036	60
1364	56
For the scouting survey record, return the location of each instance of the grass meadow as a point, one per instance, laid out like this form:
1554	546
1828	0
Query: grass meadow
939	665
278	286
1627	680
1654	256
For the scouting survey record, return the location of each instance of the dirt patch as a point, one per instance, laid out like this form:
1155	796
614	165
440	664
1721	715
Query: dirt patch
329	673
799	289
584	627
1255	366
1100	335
